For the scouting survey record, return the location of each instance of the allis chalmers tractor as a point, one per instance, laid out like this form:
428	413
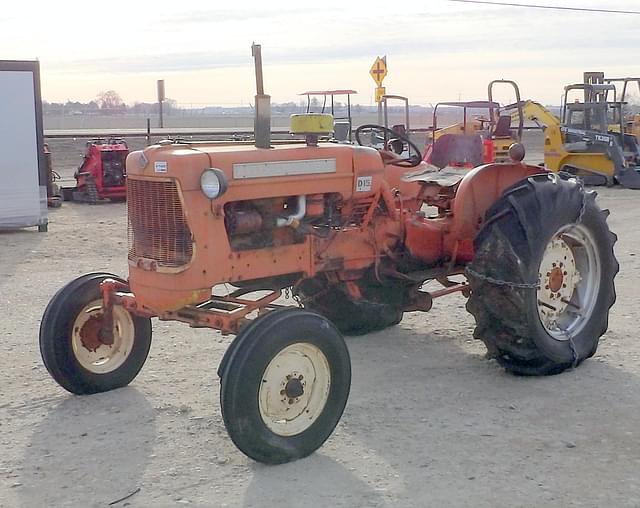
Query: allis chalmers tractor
354	233
102	174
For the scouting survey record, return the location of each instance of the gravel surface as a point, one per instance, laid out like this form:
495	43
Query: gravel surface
430	421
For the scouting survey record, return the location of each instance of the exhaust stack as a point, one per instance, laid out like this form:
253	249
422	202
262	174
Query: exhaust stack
262	120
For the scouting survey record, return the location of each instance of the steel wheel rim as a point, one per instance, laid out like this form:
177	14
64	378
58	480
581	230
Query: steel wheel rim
105	358
569	277
300	367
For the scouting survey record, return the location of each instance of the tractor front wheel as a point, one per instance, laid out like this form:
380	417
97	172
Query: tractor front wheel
75	351
542	278
284	385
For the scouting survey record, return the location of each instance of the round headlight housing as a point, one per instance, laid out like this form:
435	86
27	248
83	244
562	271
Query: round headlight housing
213	183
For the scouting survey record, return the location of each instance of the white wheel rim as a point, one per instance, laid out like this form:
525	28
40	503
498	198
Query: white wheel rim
569	282
294	389
103	358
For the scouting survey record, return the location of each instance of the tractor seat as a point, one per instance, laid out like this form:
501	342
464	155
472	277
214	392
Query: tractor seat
457	150
447	177
503	127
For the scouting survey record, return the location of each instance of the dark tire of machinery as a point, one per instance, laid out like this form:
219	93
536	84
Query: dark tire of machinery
351	317
258	343
56	344
510	247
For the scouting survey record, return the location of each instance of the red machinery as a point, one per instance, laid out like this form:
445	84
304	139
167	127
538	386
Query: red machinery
102	174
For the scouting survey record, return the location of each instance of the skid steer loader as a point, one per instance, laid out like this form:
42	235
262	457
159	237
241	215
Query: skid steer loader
342	228
582	141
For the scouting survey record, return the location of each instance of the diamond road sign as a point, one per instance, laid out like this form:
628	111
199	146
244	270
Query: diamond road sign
379	70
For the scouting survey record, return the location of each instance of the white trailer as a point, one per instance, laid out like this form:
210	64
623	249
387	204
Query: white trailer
23	174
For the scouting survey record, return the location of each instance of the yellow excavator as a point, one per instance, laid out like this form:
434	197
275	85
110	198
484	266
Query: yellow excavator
582	141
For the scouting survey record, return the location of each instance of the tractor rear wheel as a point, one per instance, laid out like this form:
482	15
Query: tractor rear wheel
73	349
542	278
285	381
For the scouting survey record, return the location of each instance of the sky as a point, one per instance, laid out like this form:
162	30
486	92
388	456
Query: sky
436	50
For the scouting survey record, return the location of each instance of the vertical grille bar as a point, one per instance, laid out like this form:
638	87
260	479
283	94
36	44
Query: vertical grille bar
157	228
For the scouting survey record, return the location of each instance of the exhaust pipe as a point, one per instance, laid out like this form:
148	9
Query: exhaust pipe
262	119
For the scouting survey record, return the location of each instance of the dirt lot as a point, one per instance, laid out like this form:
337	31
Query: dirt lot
430	421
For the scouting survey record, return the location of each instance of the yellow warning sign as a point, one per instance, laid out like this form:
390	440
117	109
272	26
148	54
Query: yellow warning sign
380	91
379	70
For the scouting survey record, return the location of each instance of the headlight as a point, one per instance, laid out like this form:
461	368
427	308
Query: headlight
213	183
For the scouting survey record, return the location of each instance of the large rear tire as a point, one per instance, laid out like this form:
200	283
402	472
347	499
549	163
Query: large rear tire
71	346
542	278
284	385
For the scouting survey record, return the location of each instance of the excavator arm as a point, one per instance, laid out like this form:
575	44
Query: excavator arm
533	111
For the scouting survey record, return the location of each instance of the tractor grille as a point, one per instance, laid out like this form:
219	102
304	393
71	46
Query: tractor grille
157	227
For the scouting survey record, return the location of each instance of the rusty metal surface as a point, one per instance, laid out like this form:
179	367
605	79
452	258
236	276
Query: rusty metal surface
90	333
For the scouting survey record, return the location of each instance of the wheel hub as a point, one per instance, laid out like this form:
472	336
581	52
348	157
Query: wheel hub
294	389
96	351
90	333
558	280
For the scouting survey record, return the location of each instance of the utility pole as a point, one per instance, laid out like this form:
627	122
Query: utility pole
160	100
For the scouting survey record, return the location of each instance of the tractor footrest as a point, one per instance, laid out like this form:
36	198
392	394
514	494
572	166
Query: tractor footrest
224	313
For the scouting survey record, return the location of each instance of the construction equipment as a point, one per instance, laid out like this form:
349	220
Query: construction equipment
581	141
631	120
341	228
476	140
102	175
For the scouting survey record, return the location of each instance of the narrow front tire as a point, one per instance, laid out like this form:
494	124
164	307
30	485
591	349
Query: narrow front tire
72	347
285	385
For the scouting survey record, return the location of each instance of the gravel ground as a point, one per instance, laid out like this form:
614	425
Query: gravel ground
430	421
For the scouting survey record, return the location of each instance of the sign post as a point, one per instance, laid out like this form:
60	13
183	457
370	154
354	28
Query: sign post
378	72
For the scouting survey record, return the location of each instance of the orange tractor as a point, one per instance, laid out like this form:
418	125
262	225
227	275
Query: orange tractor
353	233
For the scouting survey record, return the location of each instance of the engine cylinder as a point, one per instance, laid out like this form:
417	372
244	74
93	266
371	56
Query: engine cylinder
242	222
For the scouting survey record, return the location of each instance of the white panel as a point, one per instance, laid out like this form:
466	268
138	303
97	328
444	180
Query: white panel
283	168
20	191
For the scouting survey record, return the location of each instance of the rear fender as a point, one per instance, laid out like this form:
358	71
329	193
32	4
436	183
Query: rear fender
478	190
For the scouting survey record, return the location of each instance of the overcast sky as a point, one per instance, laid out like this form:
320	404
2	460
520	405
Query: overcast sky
436	50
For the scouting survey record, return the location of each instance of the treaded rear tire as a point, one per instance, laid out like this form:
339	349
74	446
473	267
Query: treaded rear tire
510	247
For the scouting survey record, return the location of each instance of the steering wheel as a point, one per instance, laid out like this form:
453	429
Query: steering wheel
407	162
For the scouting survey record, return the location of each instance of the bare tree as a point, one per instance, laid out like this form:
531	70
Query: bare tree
110	101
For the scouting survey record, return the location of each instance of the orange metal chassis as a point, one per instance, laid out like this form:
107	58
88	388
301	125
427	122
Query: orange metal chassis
449	236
